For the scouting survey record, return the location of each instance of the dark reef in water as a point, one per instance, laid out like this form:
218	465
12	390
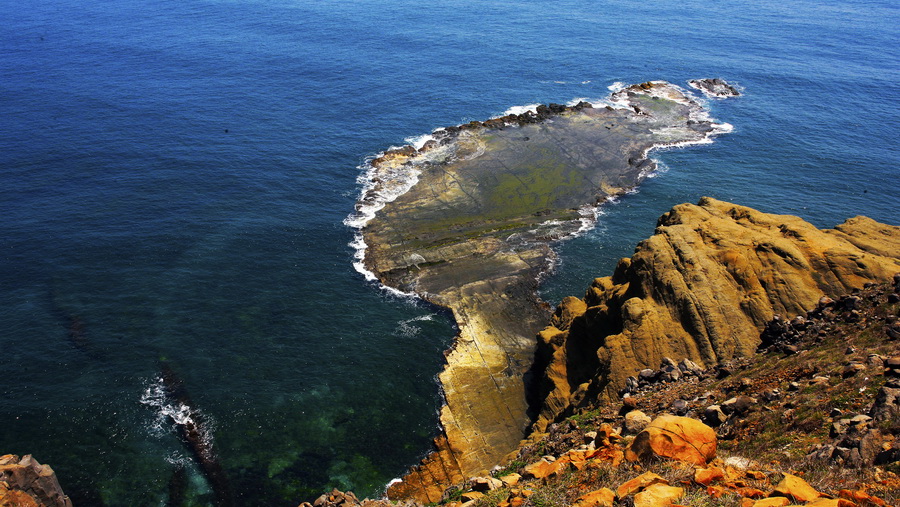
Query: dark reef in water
716	87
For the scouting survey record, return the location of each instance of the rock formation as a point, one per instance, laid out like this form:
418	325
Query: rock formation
466	222
25	483
791	411
716	87
702	287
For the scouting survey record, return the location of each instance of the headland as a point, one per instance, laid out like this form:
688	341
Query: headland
467	222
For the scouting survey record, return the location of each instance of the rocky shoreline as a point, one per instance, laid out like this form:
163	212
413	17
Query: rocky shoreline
809	416
467	222
802	408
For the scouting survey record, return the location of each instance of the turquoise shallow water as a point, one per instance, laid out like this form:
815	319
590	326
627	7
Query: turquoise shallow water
175	176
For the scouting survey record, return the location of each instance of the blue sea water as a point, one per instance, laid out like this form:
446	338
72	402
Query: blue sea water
174	177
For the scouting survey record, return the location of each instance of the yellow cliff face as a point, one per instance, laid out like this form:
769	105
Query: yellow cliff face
703	287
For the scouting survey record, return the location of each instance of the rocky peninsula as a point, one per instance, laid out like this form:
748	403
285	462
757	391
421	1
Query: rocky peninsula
738	358
467	222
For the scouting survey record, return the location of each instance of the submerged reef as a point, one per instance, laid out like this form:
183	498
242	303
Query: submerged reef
467	222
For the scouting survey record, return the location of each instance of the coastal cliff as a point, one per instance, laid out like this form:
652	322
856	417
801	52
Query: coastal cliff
703	287
737	358
467	221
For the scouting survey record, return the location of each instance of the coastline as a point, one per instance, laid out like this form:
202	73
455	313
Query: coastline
485	267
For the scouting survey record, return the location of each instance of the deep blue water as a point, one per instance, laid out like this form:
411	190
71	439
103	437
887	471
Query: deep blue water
174	177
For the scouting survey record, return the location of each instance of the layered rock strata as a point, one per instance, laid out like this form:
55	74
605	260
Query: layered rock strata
473	232
703	287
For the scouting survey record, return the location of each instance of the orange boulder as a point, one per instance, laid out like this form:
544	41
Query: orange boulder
545	468
603	497
860	496
796	489
680	438
706	476
638	483
658	495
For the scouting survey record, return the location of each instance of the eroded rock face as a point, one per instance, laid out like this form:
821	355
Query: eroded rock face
703	287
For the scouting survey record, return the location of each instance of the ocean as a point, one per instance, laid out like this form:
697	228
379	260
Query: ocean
175	178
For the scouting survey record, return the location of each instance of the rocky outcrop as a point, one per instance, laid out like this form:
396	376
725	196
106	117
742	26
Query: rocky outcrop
715	87
25	482
703	287
467	222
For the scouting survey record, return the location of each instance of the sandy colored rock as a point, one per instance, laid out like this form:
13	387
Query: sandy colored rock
636	421
510	480
675	437
544	468
485	484
703	287
795	488
638	483
603	497
706	476
658	495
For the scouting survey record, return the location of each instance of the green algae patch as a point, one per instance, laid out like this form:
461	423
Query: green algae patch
535	187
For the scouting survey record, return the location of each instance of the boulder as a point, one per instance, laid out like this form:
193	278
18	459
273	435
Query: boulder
603	497
510	480
796	489
658	495
635	422
706	476
714	416
638	483
887	403
852	369
739	405
543	468
679	438
484	484
679	407
689	367
831	502
470	496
